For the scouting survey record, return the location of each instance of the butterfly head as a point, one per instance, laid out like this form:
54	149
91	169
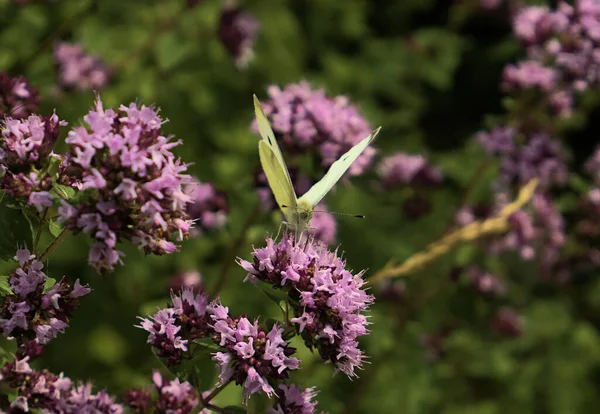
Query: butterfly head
299	217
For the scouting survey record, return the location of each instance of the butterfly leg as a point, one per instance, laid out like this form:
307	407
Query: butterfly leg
279	230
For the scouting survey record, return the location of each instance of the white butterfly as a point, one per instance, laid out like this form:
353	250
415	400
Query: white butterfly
298	211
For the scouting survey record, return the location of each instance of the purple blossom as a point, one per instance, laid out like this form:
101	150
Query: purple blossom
536	232
490	4
138	399
484	282
304	119
327	300
133	180
542	158
238	31
563	52
498	141
291	399
434	343
507	323
253	356
18	99
533	24
174	396
539	157
188	279
25	150
529	75
33	312
404	169
249	355
323	225
78	70
208	207
52	393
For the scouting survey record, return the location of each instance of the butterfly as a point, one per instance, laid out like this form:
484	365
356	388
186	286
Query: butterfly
298	211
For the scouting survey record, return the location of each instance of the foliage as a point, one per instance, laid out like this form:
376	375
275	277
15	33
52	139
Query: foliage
429	73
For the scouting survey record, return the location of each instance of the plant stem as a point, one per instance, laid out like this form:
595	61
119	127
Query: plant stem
63	234
206	400
38	234
232	253
216	409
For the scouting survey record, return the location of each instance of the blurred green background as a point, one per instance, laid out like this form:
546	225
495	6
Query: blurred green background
428	72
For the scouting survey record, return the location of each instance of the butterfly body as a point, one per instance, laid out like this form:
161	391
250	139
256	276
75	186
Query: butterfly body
298	212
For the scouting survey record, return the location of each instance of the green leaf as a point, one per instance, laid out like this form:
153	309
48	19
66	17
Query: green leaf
5	287
15	231
579	184
55	228
207	344
65	192
276	295
53	165
171	50
272	322
235	409
49	283
259	403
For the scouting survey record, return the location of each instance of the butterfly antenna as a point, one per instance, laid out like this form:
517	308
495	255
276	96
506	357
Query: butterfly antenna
333	212
340	214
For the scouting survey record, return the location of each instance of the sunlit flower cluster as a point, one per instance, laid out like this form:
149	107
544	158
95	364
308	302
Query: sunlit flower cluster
25	147
249	355
304	119
328	301
122	159
33	311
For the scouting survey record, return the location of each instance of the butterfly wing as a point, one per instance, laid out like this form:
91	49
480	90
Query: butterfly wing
337	169
280	184
273	164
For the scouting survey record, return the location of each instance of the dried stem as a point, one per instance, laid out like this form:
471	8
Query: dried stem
470	232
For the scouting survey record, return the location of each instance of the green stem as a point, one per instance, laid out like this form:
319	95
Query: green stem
38	234
232	253
206	400
216	409
55	243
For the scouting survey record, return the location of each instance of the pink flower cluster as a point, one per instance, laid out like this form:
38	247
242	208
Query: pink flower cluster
563	50
304	119
328	301
76	69
539	157
238	31
403	169
537	232
249	355
134	180
17	98
52	393
174	396
208	207
33	312
291	399
25	148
